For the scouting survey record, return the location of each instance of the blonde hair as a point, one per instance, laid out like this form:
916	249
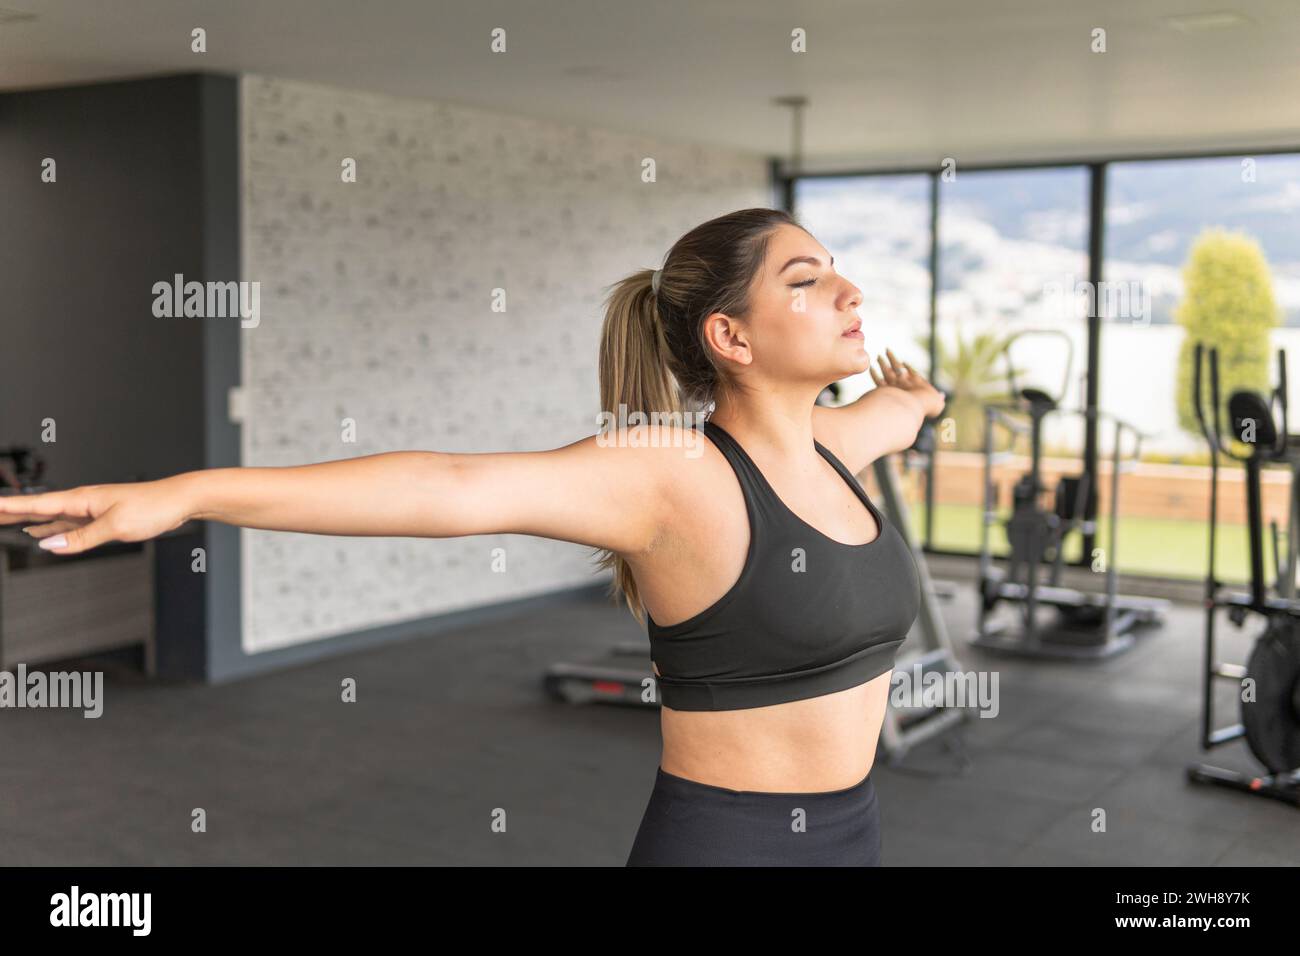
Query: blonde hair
653	357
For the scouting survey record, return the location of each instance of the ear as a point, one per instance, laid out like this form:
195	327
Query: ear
728	338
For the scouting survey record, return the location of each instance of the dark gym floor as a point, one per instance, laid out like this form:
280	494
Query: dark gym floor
454	731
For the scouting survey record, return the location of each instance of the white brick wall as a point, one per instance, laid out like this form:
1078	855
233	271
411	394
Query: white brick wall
376	306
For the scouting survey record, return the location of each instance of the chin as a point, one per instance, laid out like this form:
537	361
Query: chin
862	361
842	370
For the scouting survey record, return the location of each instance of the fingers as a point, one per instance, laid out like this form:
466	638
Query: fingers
80	539
893	372
51	528
51	504
23	517
64	522
20	518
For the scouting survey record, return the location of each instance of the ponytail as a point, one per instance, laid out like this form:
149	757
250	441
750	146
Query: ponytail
634	377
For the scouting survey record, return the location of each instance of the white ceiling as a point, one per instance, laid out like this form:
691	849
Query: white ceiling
889	82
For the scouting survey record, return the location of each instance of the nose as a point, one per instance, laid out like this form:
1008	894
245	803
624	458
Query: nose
855	295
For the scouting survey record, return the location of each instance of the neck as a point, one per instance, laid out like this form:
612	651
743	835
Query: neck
777	423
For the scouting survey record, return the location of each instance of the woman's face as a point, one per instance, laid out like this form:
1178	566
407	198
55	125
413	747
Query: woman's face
800	311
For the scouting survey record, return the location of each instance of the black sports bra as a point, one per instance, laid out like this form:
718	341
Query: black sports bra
808	615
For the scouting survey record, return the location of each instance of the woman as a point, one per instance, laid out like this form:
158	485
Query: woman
776	593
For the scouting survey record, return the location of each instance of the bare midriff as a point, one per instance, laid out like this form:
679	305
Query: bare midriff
819	744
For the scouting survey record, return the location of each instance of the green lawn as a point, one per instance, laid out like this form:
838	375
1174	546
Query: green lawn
1155	546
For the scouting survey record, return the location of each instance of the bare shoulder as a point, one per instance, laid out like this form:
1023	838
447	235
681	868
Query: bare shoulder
678	457
688	472
614	490
657	451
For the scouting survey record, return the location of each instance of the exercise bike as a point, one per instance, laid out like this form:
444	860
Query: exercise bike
1270	713
1088	625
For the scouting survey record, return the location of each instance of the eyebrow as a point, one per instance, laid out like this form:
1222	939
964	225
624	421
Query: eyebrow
810	259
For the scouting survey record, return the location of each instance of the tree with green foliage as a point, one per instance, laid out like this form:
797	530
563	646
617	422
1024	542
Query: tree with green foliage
1227	304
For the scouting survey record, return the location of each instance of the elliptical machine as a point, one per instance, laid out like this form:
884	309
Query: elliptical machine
1270	702
1088	625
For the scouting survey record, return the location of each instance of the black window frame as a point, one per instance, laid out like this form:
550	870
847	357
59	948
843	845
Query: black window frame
784	186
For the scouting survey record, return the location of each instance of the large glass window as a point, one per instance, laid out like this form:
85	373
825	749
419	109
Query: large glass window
1195	249
878	230
1209	250
1012	244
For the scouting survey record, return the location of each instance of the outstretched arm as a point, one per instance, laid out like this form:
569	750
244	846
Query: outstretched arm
607	496
884	420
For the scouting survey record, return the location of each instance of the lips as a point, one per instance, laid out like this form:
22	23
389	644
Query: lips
854	329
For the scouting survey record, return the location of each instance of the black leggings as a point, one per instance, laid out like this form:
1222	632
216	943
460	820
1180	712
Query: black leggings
687	823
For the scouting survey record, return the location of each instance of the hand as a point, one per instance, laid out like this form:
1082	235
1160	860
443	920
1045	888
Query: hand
91	515
901	375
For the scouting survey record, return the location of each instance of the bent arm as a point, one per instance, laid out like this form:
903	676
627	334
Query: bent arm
881	422
885	420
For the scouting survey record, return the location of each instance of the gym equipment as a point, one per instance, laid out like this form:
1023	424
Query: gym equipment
1270	721
1088	625
928	644
624	675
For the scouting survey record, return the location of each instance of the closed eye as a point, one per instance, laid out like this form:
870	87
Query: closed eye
805	282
